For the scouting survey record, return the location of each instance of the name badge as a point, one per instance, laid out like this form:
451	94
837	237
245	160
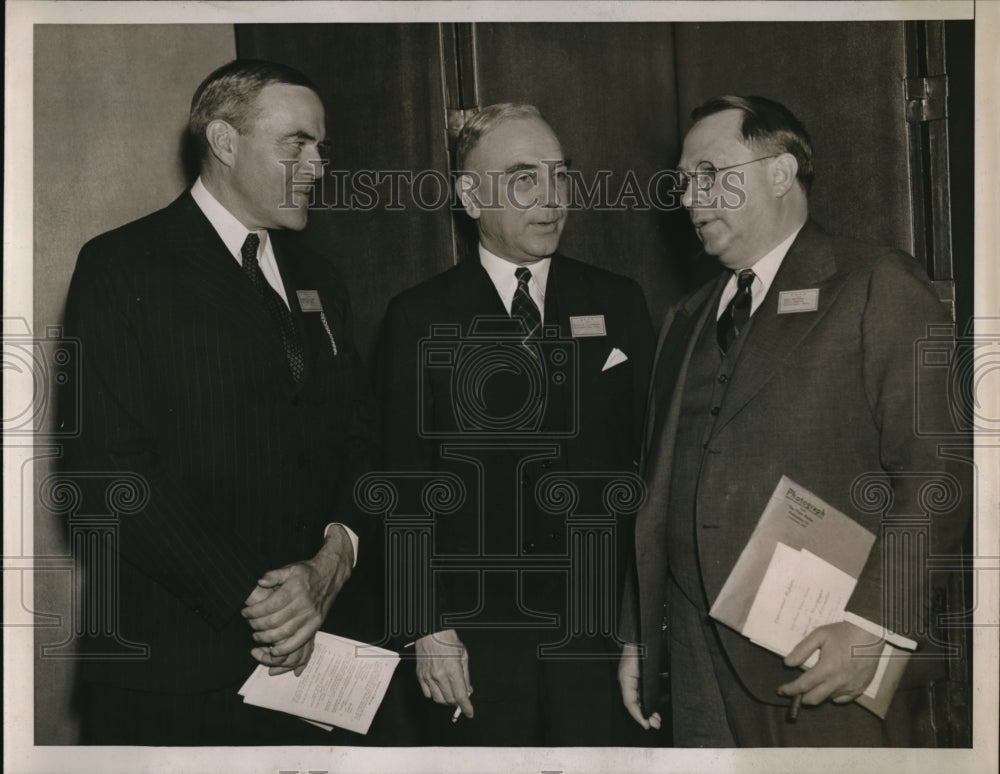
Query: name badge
795	301
587	325
309	300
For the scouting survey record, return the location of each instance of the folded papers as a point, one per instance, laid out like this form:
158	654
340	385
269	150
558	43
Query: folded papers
342	685
797	572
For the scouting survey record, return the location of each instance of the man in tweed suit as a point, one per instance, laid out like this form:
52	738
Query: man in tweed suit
218	364
797	361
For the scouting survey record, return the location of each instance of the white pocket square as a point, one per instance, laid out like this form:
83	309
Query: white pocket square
616	357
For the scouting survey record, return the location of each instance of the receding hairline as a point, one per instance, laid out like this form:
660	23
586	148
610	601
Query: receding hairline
490	118
255	110
764	124
484	139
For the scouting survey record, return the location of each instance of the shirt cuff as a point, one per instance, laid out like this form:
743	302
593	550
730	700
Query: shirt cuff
350	533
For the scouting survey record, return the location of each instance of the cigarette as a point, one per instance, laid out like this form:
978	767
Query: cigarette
456	715
793	711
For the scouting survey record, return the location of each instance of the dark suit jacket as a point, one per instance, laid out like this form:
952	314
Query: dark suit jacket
591	419
821	397
184	381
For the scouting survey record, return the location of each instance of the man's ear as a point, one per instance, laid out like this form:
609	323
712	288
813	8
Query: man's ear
222	139
783	172
465	187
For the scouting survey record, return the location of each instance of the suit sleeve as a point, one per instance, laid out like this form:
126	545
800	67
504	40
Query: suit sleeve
402	401
362	450
901	306
641	333
397	377
171	538
644	343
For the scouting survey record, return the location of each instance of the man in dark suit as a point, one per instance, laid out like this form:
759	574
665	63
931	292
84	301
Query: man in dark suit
521	373
798	361
218	365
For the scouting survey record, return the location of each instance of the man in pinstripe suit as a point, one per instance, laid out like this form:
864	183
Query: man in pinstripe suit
218	363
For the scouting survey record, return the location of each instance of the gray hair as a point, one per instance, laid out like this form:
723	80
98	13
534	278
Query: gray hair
229	93
486	120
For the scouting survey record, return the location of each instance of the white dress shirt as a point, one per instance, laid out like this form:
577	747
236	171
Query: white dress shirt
764	272
234	234
501	272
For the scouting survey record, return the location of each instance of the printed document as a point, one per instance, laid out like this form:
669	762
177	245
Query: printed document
800	591
343	684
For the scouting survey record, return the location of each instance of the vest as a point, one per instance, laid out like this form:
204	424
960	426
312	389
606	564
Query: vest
703	392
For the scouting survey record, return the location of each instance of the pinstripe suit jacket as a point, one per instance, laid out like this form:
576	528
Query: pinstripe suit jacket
184	381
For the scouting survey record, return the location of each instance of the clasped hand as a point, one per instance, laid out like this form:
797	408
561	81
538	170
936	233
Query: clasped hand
289	604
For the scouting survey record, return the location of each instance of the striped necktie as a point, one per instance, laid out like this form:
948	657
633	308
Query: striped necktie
275	306
737	313
523	307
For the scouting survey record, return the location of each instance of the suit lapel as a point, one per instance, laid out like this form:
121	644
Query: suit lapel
565	295
772	337
474	294
673	358
215	278
673	354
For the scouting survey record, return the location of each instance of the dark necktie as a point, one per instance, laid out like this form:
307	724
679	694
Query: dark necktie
736	314
275	307
523	307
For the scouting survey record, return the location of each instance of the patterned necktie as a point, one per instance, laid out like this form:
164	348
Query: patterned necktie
523	307
737	312
275	307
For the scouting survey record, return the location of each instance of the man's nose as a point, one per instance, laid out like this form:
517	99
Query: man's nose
554	193
687	195
310	166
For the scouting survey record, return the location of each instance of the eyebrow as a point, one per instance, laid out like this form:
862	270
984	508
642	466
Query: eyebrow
679	168
299	135
521	167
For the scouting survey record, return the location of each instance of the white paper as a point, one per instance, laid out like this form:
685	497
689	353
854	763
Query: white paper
800	591
343	684
883	663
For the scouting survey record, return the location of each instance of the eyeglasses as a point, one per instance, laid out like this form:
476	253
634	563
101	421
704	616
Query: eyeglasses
705	174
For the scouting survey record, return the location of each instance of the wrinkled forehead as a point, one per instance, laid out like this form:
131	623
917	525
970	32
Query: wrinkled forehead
516	142
715	139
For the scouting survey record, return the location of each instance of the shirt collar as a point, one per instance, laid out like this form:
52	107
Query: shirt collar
765	270
501	271
232	232
767	267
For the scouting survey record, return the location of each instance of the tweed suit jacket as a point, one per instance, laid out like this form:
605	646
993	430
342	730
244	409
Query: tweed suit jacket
823	397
